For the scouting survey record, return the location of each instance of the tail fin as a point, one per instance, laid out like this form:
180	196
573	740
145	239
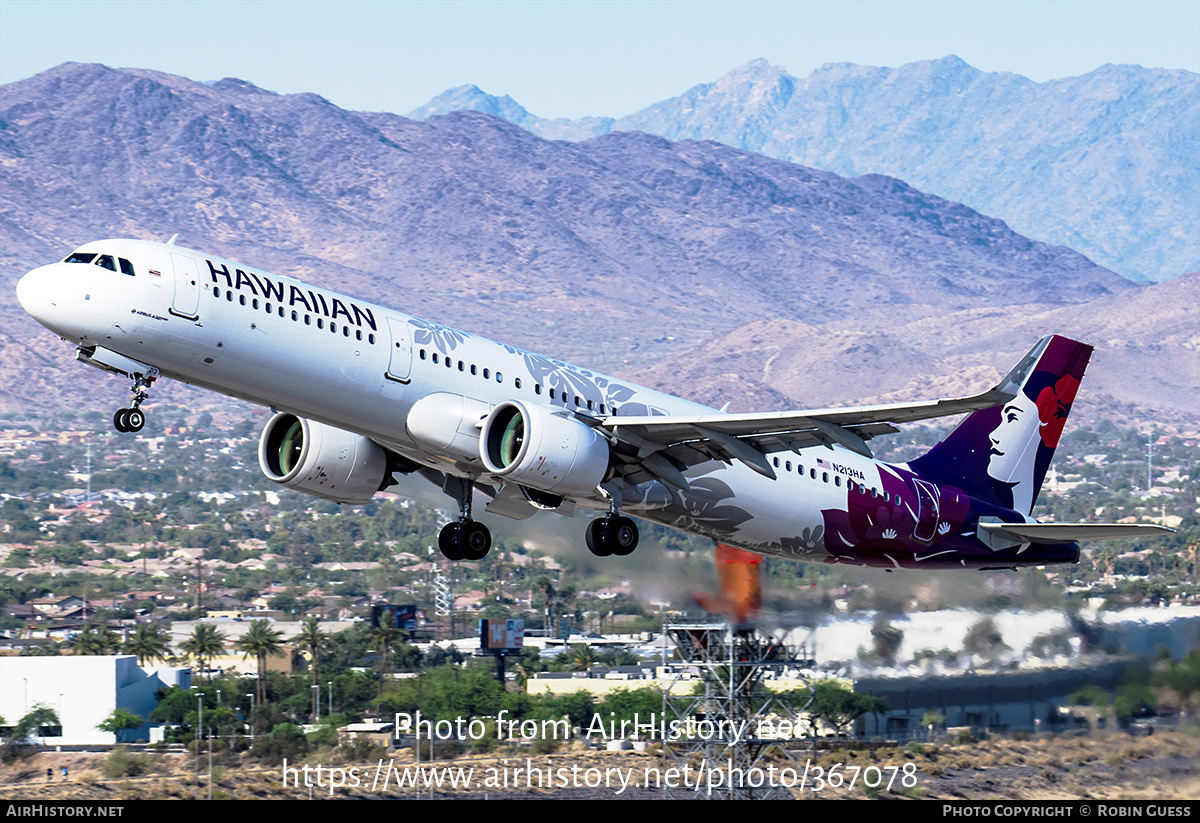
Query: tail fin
1001	454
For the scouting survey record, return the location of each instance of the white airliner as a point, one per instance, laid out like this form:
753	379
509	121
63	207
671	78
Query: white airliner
362	392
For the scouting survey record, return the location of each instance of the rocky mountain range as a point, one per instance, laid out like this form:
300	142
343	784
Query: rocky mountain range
714	272
1105	163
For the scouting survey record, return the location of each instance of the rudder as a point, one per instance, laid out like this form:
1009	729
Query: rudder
1001	454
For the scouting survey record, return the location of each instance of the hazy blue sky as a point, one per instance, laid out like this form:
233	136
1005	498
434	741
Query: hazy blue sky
569	58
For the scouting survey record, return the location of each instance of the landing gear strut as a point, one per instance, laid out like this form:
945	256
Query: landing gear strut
464	539
614	533
133	418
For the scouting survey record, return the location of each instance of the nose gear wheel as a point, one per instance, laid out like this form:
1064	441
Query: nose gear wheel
133	419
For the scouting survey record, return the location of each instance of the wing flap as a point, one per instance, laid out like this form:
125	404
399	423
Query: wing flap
1071	532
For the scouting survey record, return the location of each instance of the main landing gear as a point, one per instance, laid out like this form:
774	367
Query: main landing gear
133	418
464	539
614	533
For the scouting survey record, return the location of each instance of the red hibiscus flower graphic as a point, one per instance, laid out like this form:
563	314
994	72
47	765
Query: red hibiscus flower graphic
1054	404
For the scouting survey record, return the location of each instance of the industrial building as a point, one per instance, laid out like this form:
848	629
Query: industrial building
83	690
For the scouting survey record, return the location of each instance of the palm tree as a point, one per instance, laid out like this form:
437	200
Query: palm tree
262	641
583	656
148	643
384	636
316	641
92	641
204	644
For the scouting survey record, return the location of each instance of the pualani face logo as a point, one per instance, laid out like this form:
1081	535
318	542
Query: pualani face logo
260	285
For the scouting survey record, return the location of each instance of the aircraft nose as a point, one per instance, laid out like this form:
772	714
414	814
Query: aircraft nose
35	293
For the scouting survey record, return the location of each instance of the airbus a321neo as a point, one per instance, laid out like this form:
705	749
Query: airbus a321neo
362	392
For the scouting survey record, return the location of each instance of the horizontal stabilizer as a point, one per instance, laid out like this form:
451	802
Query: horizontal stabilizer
1071	532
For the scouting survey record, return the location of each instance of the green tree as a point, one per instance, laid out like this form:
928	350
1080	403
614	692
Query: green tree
35	723
1133	700
149	644
91	640
582	657
120	720
626	704
385	637
984	639
886	639
316	641
839	706
262	641
204	644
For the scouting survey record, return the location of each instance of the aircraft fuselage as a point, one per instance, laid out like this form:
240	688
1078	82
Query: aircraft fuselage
421	391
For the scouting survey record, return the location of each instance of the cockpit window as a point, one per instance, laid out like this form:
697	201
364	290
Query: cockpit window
126	266
106	260
80	257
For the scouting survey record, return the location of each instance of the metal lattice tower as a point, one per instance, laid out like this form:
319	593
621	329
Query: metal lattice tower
443	598
733	666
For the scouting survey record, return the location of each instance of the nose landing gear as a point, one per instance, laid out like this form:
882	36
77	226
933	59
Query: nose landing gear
133	418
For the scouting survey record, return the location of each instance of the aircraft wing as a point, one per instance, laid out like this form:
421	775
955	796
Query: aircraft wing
674	442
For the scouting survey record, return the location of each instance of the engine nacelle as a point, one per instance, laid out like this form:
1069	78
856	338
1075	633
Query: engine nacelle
447	425
546	450
321	460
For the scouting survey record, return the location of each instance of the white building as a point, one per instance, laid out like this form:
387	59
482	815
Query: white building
84	690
